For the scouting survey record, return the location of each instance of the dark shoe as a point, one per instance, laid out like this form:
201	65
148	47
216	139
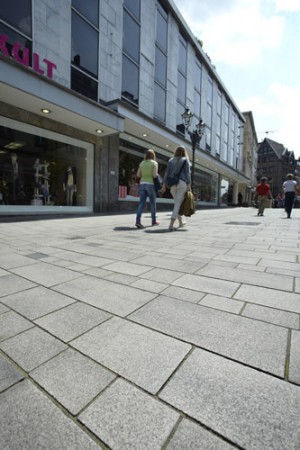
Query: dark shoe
139	225
155	223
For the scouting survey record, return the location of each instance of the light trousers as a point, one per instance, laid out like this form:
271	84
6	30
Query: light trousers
178	195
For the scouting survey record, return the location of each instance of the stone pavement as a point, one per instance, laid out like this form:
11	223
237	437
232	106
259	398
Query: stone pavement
113	337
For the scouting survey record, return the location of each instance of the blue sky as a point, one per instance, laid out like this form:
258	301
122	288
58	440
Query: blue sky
255	47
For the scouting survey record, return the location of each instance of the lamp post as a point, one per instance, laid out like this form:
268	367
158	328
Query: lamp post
195	136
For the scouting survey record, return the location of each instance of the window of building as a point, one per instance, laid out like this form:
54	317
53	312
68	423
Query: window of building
197	89
43	169
224	149
181	81
16	23
131	51
134	6
218	123
89	10
160	71
85	48
18	16
208	117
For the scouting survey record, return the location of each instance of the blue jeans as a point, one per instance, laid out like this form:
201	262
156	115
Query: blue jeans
146	190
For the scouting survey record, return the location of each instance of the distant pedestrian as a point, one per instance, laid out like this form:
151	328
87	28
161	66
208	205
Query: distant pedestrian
263	195
289	189
240	199
178	166
148	169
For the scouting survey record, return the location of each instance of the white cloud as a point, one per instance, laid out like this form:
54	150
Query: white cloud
287	5
279	113
233	32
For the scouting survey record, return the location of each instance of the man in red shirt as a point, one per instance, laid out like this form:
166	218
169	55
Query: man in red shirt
263	194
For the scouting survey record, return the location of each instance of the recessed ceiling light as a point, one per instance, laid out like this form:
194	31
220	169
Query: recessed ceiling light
46	111
99	131
145	134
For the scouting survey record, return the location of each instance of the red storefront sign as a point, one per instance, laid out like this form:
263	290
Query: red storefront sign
21	55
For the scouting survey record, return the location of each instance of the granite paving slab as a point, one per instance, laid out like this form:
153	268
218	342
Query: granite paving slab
252	342
297	285
223	303
9	374
276	316
169	263
72	379
11	324
162	275
32	348
192	436
294	367
115	298
282	282
270	255
124	417
46	427
287	301
72	321
280	264
121	278
12	283
183	294
250	408
207	285
149	285
127	268
37	302
3	308
143	356
46	274
12	260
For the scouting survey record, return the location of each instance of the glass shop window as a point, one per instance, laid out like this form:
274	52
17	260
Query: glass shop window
41	171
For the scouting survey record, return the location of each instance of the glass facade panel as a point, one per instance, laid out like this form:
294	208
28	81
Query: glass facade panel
84	45
13	38
181	89
39	168
159	103
17	15
160	67
84	85
131	37
89	9
206	186
162	28
134	7
130	80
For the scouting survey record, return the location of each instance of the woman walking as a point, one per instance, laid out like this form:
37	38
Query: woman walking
146	172
179	166
289	188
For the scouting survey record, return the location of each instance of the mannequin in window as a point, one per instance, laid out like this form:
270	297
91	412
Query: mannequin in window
69	185
15	175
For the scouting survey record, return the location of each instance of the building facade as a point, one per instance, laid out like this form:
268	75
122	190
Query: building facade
249	155
87	87
274	162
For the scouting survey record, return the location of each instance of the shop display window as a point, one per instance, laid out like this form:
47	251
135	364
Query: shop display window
39	168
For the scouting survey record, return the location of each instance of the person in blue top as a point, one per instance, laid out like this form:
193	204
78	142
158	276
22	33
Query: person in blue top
148	169
179	163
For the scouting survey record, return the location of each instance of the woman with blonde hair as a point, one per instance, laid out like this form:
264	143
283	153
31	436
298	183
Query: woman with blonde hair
179	166
148	169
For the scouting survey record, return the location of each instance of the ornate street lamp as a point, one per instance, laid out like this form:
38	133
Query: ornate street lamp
195	136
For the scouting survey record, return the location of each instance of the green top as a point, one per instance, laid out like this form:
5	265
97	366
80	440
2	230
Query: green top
147	169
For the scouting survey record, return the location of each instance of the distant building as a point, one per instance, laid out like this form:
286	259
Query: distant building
89	86
275	162
249	157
